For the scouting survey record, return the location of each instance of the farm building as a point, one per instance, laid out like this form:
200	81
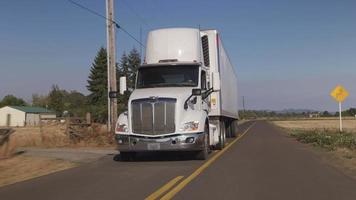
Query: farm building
17	116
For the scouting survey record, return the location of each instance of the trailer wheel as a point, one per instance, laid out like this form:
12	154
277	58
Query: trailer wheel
234	128
203	154
222	136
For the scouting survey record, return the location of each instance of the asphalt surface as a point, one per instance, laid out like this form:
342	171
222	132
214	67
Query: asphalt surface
263	164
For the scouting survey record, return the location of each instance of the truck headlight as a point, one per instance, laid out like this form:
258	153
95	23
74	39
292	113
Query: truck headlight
121	128
190	126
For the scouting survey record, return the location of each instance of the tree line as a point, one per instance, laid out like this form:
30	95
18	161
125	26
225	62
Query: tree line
254	114
76	104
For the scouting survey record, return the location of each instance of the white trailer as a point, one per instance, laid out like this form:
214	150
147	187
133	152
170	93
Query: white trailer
185	97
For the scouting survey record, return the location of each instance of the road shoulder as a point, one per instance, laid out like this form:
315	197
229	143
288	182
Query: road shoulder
342	159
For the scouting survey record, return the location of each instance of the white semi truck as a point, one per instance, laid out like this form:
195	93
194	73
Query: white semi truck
185	98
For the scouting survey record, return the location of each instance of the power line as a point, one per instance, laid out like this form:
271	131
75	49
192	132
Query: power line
102	16
143	20
132	37
89	10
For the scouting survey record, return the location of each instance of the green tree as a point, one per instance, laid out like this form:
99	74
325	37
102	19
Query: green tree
134	61
326	114
97	82
75	103
40	100
11	100
56	99
352	111
97	85
128	67
123	70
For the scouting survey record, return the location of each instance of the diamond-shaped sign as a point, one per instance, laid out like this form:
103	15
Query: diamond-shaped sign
339	93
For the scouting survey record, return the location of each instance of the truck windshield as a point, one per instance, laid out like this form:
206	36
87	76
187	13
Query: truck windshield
168	76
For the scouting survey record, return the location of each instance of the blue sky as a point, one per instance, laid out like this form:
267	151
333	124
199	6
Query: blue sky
288	54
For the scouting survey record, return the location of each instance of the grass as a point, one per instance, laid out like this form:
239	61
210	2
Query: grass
327	139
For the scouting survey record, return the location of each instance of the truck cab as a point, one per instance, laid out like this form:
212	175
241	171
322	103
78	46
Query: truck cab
170	107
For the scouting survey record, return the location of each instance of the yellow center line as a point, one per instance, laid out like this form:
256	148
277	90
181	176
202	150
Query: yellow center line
164	188
185	182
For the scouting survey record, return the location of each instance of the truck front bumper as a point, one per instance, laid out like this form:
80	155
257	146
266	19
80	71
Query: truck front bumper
177	142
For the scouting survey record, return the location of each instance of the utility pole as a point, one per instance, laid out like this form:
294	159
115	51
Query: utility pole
111	57
141	45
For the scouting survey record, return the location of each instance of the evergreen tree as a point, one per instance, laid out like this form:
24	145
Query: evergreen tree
134	62
97	85
97	82
123	68
128	67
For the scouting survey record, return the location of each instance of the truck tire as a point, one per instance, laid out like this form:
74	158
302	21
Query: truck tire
222	136
203	154
233	128
127	156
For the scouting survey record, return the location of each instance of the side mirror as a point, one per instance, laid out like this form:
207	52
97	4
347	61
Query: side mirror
123	86
196	92
216	80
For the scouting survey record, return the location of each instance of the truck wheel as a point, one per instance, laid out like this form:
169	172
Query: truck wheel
203	154
127	156
233	128
222	136
116	157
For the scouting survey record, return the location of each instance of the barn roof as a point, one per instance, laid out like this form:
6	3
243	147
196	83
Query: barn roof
29	109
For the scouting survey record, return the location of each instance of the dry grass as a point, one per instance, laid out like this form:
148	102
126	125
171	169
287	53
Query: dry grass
333	124
54	135
20	168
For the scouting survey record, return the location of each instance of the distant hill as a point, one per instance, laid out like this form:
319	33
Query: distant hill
297	111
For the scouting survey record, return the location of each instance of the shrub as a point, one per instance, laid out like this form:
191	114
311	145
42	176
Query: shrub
326	138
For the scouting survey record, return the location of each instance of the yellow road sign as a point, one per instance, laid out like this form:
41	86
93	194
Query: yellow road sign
339	93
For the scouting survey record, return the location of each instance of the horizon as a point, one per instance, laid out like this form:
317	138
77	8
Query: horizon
288	55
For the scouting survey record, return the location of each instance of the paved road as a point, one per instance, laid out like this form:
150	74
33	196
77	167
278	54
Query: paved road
263	164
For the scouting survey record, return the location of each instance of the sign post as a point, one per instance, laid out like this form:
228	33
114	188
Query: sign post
340	116
340	94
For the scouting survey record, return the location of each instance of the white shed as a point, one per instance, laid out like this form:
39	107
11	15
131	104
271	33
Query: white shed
15	116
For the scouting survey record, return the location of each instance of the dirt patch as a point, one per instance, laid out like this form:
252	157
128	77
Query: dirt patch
20	168
342	159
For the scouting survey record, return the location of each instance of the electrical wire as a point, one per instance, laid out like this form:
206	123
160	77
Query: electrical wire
102	16
143	20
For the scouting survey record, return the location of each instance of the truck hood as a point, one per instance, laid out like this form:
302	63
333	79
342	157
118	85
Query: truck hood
180	93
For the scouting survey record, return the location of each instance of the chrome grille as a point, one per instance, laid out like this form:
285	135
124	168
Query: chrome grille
153	116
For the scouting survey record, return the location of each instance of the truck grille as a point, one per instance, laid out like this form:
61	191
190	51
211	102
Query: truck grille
153	116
